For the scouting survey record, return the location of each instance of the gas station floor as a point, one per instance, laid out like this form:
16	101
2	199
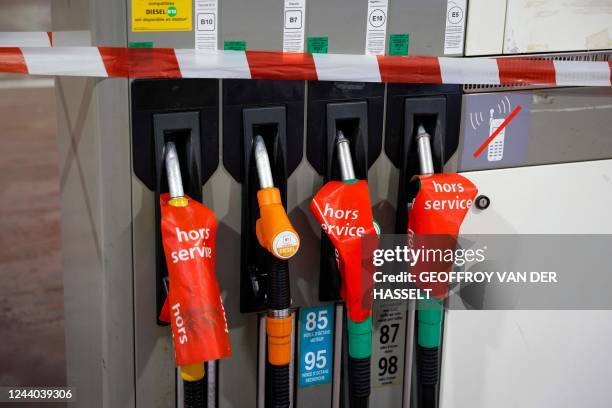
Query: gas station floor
32	350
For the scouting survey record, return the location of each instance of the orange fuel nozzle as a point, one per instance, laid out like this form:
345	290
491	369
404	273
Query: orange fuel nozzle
276	234
273	228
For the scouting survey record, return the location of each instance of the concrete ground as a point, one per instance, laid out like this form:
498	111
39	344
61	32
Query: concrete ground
32	350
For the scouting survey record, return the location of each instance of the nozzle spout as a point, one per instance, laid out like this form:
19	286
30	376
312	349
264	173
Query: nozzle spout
344	157
264	171
424	150
173	171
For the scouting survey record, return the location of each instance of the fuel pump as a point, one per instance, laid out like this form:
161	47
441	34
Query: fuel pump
429	311
359	333
262	146
184	112
354	111
422	133
279	238
345	213
434	227
191	374
193	302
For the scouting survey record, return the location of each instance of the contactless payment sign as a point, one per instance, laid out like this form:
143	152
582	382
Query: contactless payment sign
316	345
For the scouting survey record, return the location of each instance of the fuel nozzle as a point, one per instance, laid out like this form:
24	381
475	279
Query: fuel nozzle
192	374
175	180
429	314
276	234
424	149
173	170
344	157
274	230
359	333
264	171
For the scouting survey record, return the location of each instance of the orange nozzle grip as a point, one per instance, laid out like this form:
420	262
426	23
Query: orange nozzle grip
273	228
279	340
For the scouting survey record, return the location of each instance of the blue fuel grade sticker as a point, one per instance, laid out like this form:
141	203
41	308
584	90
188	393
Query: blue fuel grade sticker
316	345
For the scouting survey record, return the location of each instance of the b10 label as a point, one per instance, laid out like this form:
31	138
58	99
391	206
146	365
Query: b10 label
316	345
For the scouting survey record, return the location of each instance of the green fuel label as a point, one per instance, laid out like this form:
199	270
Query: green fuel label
398	44
234	45
140	44
317	45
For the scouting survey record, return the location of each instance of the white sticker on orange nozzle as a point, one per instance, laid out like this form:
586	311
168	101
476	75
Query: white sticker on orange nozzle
286	244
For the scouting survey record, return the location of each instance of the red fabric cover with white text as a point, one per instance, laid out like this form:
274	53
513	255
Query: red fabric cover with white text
193	306
345	214
438	210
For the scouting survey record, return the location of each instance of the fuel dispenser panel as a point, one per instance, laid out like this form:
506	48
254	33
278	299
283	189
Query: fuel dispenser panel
356	109
116	267
262	146
353	113
438	109
425	23
254	25
408	27
341	24
186	113
412	112
273	110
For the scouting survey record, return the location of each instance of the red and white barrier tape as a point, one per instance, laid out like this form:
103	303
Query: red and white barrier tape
115	62
26	39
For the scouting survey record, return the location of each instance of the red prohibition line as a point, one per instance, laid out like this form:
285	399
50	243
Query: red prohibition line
497	131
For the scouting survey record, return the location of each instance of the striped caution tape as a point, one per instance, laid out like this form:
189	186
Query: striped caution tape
26	39
115	62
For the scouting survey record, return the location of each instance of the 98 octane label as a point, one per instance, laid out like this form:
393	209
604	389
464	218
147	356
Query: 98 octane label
389	340
316	345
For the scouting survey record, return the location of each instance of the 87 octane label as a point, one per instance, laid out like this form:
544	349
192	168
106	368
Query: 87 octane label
389	342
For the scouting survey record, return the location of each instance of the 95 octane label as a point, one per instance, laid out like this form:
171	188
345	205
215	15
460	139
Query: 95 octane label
161	15
389	340
316	345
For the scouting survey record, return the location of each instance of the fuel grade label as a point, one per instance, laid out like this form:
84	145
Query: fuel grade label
161	15
316	345
388	340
